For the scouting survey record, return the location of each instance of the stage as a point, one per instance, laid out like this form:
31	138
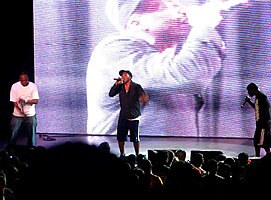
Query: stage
229	146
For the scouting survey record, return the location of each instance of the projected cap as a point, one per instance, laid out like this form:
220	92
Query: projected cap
127	71
119	11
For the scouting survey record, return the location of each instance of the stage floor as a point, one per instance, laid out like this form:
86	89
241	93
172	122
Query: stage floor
229	146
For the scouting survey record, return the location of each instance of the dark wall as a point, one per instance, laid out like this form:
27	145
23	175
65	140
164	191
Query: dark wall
18	53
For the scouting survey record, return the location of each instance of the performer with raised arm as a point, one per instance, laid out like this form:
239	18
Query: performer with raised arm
132	97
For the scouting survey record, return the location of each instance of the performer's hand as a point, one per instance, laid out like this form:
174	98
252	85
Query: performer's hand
119	80
21	101
144	99
206	15
20	106
247	98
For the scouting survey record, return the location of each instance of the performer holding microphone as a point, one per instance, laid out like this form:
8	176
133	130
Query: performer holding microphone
131	96
262	137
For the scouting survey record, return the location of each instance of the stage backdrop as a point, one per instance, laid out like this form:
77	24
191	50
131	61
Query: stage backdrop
67	31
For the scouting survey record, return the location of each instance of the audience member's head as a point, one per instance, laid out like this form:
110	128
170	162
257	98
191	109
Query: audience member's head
180	154
243	158
104	146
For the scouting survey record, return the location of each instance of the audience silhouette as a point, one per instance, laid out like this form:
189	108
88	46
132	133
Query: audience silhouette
82	171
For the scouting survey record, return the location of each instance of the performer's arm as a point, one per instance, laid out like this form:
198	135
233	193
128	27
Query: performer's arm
251	103
115	89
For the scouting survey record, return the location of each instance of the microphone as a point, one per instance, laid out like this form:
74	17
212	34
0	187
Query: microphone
244	103
118	80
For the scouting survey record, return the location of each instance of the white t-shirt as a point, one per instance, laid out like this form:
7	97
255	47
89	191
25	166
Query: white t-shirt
27	93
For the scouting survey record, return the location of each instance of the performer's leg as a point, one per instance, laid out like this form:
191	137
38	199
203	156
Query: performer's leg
31	124
267	138
15	126
267	150
122	134
257	151
121	147
136	147
257	141
134	135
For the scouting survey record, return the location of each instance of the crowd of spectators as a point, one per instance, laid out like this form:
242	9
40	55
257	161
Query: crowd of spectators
81	171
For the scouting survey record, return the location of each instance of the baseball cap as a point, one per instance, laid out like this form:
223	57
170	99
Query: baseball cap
252	86
127	71
119	11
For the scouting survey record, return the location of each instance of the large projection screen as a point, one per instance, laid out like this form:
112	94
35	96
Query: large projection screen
66	33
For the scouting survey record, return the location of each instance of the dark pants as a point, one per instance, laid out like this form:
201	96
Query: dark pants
124	126
26	124
265	127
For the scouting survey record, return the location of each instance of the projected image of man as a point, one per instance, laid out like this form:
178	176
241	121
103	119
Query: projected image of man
174	57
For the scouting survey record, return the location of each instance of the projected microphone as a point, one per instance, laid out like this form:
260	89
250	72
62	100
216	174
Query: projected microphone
118	80
244	103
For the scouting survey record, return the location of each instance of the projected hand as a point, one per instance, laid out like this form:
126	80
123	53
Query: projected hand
209	14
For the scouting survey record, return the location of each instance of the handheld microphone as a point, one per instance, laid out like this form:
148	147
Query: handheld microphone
119	80
244	103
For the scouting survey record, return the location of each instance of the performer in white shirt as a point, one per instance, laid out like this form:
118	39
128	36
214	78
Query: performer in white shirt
24	95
